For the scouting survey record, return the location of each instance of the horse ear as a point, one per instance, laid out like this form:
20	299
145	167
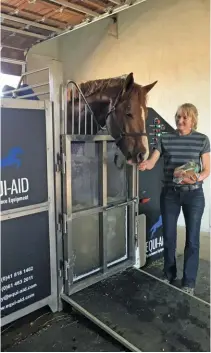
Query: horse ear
129	81
148	88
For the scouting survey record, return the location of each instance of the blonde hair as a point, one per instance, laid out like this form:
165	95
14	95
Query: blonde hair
190	110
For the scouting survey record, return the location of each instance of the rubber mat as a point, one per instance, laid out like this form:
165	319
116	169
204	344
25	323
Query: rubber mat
149	314
202	289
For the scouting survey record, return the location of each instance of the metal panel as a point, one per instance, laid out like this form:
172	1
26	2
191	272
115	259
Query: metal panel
20	223
85	246
85	175
25	278
117	235
24	161
116	179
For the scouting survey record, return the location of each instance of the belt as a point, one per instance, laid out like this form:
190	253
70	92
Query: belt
185	187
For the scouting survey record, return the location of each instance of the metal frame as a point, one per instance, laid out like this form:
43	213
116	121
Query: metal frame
21	31
49	206
30	23
111	12
75	7
38	85
106	269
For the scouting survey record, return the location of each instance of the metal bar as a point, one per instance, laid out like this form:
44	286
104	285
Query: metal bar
24	211
26	88
92	138
75	7
85	132
31	23
64	109
87	212
79	114
79	90
110	207
51	200
27	73
20	31
77	278
100	324
73	114
104	196
117	261
91	124
68	209
31	73
10	47
116	2
12	61
33	95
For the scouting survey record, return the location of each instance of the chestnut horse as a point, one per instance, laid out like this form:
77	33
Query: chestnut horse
120	105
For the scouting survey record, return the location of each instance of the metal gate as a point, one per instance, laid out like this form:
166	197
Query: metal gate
99	207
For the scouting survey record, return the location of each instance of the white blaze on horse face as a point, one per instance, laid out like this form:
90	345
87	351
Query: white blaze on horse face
144	138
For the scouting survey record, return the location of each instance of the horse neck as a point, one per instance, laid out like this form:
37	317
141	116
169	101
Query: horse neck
112	91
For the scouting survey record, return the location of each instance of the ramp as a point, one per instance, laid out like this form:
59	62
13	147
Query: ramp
145	314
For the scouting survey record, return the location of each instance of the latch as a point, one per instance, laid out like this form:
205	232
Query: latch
61	163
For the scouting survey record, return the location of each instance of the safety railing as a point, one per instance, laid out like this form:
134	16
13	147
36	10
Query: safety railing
77	94
20	89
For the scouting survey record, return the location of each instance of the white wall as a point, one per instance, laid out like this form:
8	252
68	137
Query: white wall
164	40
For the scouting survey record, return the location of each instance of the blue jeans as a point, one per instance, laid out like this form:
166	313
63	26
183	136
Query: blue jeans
192	203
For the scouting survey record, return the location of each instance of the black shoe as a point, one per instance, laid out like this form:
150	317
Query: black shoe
166	280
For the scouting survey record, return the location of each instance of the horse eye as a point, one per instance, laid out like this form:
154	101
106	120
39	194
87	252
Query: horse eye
129	115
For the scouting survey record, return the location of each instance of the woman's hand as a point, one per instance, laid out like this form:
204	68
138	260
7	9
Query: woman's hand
146	165
187	180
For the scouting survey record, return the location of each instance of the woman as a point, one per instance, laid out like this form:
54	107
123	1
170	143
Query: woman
178	148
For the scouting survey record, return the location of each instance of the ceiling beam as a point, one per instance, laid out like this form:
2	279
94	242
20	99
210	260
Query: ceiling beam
12	61
20	31
116	2
9	47
30	23
75	7
96	19
37	16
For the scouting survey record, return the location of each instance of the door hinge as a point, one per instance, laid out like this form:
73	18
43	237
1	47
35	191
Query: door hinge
61	268
61	163
60	222
64	223
66	269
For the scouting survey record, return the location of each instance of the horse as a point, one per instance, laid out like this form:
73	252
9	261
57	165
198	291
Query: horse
119	104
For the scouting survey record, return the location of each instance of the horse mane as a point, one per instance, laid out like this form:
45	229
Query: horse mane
91	87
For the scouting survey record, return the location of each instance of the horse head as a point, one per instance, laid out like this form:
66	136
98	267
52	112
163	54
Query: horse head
126	121
120	105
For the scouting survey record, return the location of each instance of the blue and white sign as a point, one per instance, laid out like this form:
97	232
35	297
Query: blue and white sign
23	160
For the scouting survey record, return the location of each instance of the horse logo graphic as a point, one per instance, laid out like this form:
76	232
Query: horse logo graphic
12	158
156	226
